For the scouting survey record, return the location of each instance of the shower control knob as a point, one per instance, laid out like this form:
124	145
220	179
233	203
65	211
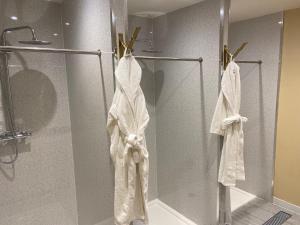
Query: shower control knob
17	135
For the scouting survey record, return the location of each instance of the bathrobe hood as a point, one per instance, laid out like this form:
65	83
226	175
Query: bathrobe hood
129	81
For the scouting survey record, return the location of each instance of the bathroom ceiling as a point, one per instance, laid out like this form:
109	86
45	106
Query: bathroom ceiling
157	7
59	1
243	9
240	9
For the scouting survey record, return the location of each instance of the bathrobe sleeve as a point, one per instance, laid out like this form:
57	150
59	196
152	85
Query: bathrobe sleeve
112	126
219	115
142	113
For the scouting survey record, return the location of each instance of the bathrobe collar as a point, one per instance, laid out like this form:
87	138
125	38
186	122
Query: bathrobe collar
231	87
129	81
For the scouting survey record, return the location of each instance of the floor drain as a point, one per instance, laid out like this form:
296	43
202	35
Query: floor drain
278	219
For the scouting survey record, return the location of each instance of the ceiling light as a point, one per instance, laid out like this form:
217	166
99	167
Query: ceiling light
222	12
55	34
280	22
149	14
67	24
14	18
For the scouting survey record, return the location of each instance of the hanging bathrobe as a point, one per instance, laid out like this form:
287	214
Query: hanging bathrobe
127	120
228	122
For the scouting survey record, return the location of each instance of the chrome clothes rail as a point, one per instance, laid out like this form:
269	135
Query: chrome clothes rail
249	61
170	58
48	50
99	52
84	52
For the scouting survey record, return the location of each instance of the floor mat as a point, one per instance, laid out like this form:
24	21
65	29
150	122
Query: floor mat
278	219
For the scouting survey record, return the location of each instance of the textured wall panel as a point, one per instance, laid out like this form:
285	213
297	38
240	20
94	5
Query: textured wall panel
259	96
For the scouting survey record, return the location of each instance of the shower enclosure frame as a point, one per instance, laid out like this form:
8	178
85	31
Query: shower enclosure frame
224	211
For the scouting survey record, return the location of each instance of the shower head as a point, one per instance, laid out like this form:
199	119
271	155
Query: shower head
150	46
35	42
152	51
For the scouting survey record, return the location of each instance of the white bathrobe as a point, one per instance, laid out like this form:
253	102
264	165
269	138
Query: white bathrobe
229	123
127	119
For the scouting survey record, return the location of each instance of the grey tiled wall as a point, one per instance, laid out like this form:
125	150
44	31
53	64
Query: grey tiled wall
148	87
40	187
259	96
184	154
90	84
186	94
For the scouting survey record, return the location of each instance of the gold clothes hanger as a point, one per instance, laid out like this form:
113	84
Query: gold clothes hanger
123	46
227	56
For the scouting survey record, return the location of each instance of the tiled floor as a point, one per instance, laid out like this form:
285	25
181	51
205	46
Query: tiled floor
256	211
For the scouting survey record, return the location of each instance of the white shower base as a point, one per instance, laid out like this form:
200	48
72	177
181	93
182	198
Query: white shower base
159	214
162	214
239	198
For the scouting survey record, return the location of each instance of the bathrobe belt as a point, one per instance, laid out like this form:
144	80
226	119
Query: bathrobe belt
237	118
134	144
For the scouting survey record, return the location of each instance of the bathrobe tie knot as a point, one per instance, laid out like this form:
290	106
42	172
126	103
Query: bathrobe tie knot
237	118
134	144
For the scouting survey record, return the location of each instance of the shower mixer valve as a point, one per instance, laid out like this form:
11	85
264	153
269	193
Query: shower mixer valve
13	135
16	135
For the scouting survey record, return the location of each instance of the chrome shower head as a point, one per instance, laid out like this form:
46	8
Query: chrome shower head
152	51
35	42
